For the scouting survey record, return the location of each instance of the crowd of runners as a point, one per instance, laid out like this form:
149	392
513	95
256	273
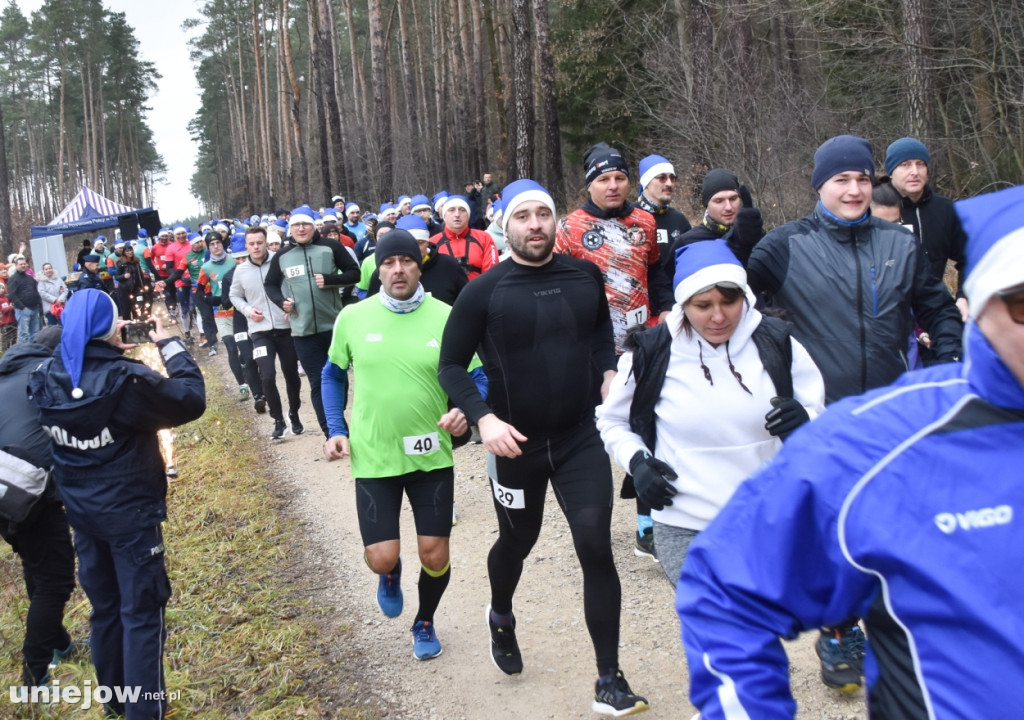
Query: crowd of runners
691	355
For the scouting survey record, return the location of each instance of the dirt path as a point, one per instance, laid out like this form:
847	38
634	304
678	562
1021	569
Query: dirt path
462	683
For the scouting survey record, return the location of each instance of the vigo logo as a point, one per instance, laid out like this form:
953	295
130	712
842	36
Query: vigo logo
974	519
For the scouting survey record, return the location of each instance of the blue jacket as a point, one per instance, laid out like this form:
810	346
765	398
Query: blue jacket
898	507
106	455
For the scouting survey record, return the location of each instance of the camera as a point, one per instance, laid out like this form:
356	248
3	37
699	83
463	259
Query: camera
137	332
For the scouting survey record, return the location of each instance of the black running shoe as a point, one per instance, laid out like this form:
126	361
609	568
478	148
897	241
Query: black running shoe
261	404
613	697
297	428
504	649
842	658
279	430
644	546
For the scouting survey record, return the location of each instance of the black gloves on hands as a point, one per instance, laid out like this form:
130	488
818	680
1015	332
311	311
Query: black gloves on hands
652	479
747	229
786	415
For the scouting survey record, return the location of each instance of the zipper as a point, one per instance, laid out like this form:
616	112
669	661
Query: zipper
874	293
860	316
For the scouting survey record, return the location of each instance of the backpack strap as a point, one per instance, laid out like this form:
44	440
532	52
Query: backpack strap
772	338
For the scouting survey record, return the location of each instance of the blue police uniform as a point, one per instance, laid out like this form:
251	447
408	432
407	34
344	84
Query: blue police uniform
111	475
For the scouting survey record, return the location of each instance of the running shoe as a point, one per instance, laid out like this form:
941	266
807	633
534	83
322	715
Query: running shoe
842	658
213	350
389	592
243	392
425	644
612	696
279	430
261	404
644	546
301	371
297	428
504	648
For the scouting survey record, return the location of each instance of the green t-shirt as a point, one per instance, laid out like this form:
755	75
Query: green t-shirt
366	272
396	399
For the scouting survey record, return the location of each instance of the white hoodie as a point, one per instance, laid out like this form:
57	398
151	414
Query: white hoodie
712	435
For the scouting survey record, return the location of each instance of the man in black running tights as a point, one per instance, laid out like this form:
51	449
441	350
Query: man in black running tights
544	333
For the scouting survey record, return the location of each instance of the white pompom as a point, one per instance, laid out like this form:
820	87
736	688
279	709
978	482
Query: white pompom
77	393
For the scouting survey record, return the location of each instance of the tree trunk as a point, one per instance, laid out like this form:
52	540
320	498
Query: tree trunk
521	160
330	97
412	117
6	230
497	86
383	179
317	98
549	102
302	181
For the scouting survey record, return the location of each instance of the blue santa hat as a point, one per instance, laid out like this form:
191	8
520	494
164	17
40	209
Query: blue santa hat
350	206
237	245
301	214
178	229
652	166
438	201
89	315
704	264
518	192
402	200
143	233
330	215
994	224
415	226
453	201
386	208
421	202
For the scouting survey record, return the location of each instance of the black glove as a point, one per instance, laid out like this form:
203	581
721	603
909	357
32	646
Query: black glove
652	479
786	415
748	228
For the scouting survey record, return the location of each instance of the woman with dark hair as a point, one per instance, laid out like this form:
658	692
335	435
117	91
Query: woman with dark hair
704	399
131	284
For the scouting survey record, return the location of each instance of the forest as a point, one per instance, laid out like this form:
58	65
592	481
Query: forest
301	99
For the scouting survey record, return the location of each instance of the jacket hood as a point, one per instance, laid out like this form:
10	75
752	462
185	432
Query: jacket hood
21	354
749	321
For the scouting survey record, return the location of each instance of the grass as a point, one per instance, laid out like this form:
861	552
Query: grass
245	636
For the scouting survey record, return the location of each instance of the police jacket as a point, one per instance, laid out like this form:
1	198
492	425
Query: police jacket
106	455
852	292
899	507
290	275
88	280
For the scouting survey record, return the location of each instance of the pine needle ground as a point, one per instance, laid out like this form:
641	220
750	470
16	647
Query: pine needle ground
247	636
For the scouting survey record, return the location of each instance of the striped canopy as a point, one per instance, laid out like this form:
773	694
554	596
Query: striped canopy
83	201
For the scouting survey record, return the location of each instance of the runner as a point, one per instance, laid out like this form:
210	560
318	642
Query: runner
543	328
392	343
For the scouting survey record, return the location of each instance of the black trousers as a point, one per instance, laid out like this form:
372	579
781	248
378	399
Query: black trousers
268	345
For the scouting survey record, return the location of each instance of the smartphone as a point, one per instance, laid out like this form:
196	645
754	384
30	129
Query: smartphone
137	332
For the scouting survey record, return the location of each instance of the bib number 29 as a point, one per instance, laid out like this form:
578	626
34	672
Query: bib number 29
512	498
420	444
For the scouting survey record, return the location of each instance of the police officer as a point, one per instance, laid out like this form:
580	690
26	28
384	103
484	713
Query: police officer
102	412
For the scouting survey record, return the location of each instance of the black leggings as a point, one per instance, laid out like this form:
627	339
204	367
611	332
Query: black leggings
266	346
580	475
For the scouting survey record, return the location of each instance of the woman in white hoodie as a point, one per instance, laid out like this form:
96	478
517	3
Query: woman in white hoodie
716	398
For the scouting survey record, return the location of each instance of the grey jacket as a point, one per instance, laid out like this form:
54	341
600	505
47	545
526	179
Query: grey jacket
247	292
52	290
853	293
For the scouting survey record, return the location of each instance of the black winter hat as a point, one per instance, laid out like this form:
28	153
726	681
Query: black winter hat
716	181
602	158
397	242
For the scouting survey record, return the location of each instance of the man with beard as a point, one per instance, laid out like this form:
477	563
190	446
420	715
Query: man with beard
542	325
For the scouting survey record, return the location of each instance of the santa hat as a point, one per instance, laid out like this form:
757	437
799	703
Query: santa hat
420	202
415	226
994	224
652	166
455	201
302	214
89	315
704	264
519	192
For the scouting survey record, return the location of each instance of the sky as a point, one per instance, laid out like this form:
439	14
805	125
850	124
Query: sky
162	41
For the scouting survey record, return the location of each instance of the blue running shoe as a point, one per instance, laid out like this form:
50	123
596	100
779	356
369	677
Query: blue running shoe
425	644
389	592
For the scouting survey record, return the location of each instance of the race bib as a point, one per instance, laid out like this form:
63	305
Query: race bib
241	336
510	498
259	352
295	271
637	316
420	444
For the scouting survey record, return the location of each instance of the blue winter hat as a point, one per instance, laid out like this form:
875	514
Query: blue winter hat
497	208
350	206
402	199
330	216
906	148
454	201
386	207
89	315
143	233
237	245
704	264
414	225
282	225
438	201
652	166
520	191
301	214
994	224
420	202
841	154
